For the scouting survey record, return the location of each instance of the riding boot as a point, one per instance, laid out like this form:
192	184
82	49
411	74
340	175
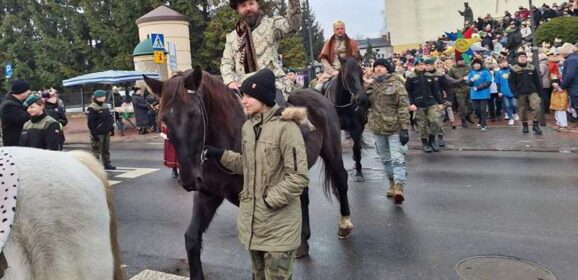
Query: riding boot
433	143
425	145
525	127
441	142
536	128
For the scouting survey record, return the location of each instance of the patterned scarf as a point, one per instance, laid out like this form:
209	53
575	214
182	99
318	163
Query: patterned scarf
246	46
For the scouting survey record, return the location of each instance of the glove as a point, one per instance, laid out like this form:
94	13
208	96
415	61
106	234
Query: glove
403	137
211	152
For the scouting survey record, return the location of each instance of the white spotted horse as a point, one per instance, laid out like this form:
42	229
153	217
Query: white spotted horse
58	219
200	111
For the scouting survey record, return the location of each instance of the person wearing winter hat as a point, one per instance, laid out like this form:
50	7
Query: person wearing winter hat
41	131
253	45
12	114
462	91
479	80
570	72
426	100
524	82
100	124
447	95
388	119
273	161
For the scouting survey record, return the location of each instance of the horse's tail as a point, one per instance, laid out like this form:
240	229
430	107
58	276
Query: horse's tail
96	168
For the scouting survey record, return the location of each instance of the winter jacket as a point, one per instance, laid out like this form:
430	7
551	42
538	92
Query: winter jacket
57	112
141	110
514	40
274	164
524	79
423	90
13	116
501	80
444	85
479	82
100	120
389	112
42	132
570	75
559	100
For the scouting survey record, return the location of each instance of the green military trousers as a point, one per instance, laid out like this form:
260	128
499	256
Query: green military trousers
529	101
273	265
101	148
429	121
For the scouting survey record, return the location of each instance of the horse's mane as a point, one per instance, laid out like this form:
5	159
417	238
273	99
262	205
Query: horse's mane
221	101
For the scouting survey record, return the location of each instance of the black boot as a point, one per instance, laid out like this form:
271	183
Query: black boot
425	145
536	128
464	123
175	173
109	167
525	127
433	143
441	142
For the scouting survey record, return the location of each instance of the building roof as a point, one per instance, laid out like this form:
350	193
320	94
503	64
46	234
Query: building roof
143	48
375	43
162	13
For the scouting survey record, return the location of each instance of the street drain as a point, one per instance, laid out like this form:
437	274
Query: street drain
496	267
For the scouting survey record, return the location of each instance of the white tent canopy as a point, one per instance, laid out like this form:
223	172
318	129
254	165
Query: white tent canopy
109	77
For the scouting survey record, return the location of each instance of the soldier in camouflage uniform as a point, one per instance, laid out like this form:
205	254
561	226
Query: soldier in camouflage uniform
389	121
447	94
254	44
456	78
426	100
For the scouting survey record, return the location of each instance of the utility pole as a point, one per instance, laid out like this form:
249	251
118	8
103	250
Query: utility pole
309	28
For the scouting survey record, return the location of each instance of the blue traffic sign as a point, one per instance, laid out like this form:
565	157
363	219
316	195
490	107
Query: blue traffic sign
8	71
158	42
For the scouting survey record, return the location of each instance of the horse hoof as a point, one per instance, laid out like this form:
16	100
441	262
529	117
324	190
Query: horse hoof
302	251
344	233
359	178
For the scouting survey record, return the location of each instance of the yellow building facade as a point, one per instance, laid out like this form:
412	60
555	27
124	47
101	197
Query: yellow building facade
412	22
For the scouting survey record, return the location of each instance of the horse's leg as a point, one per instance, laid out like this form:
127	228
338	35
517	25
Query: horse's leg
337	175
357	140
204	208
303	249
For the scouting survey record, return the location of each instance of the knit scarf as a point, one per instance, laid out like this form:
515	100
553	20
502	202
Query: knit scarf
246	46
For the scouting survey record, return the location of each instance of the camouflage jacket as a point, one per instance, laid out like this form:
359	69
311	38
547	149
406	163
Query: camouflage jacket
458	73
389	112
266	38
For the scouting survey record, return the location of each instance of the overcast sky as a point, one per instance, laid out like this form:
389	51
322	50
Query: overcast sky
364	18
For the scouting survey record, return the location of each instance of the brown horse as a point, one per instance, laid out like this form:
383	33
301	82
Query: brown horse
199	110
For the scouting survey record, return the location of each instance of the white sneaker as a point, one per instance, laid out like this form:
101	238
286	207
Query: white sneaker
478	125
506	117
516	117
511	122
484	128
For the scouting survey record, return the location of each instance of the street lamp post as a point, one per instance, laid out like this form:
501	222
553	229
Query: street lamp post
535	59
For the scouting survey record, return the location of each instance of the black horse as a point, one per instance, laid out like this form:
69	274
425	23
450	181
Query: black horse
346	93
199	110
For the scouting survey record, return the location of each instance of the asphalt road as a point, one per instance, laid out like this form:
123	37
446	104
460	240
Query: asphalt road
459	205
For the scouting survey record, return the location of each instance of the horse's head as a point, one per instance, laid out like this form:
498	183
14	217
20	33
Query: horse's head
352	78
183	113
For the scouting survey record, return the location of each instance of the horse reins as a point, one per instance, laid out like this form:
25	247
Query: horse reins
205	125
348	88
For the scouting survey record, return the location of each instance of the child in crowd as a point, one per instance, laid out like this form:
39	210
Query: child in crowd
559	103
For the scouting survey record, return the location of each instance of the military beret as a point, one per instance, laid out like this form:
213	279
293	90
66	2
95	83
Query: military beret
31	99
99	93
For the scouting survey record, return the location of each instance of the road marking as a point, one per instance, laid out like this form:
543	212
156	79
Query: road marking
112	182
131	172
156	275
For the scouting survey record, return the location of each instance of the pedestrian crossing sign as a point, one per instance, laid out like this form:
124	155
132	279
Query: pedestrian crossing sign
159	57
158	41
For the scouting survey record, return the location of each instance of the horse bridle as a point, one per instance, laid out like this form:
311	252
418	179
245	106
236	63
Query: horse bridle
348	88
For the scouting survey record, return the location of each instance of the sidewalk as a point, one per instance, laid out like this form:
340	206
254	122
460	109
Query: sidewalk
76	132
498	137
